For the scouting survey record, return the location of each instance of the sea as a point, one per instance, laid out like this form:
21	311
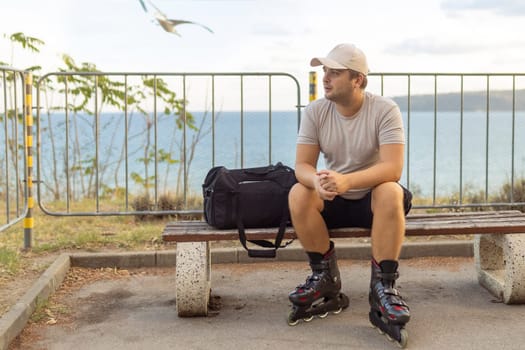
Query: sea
446	151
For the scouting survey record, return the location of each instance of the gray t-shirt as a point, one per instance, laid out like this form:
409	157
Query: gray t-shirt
352	143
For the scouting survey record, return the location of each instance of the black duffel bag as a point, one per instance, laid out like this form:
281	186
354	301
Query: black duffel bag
249	198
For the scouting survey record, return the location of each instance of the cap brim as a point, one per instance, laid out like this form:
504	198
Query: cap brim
323	61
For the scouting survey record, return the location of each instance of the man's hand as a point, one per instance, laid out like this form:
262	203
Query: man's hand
328	184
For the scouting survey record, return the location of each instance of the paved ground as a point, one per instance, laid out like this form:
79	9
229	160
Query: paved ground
449	311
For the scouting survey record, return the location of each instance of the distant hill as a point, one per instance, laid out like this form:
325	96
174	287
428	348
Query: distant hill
499	100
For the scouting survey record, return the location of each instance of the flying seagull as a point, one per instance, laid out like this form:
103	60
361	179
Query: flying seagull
143	5
169	24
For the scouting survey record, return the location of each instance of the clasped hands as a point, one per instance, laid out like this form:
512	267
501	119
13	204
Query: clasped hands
329	184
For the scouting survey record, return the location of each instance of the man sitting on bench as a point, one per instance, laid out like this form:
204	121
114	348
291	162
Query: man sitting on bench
362	139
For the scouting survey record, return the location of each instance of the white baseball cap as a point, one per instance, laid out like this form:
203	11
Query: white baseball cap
343	56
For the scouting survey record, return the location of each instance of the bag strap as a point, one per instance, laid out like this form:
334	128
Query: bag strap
262	253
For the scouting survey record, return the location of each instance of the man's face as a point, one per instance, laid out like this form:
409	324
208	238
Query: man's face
337	84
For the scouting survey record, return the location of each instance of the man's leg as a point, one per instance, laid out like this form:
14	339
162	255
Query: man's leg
388	311
324	284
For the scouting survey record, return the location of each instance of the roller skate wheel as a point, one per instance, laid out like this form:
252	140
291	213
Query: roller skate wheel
290	320
404	339
292	323
323	315
338	311
308	319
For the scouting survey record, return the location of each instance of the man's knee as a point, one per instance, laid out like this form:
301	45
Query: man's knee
387	196
302	198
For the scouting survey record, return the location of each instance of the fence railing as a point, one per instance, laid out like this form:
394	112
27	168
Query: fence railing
119	143
13	185
465	133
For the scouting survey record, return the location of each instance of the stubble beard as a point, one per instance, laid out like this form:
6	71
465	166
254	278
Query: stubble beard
331	96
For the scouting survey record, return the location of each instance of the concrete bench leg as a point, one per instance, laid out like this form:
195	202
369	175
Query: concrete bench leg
500	264
193	269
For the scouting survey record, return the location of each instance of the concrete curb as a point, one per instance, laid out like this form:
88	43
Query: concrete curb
14	321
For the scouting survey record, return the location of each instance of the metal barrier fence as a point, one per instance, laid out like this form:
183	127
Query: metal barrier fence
119	143
13	178
465	134
122	143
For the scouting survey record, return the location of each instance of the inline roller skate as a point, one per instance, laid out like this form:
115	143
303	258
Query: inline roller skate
320	294
388	312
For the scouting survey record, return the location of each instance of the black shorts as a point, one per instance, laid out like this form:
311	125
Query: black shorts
341	212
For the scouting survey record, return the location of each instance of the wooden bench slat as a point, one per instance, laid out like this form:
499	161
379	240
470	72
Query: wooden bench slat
490	215
416	225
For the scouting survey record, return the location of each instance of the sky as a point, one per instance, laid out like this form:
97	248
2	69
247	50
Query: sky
270	35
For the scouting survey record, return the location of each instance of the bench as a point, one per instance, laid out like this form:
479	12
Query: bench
499	251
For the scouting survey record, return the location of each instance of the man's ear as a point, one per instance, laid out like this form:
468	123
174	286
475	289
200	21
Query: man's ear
359	80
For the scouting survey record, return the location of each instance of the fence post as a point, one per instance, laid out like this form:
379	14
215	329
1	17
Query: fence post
313	86
28	220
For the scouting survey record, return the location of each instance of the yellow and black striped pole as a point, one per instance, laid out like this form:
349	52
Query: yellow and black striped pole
28	111
313	86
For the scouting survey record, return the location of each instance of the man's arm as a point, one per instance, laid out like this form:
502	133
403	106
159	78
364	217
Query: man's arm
306	169
306	158
388	168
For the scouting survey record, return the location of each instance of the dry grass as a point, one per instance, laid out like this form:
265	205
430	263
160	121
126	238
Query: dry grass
55	234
